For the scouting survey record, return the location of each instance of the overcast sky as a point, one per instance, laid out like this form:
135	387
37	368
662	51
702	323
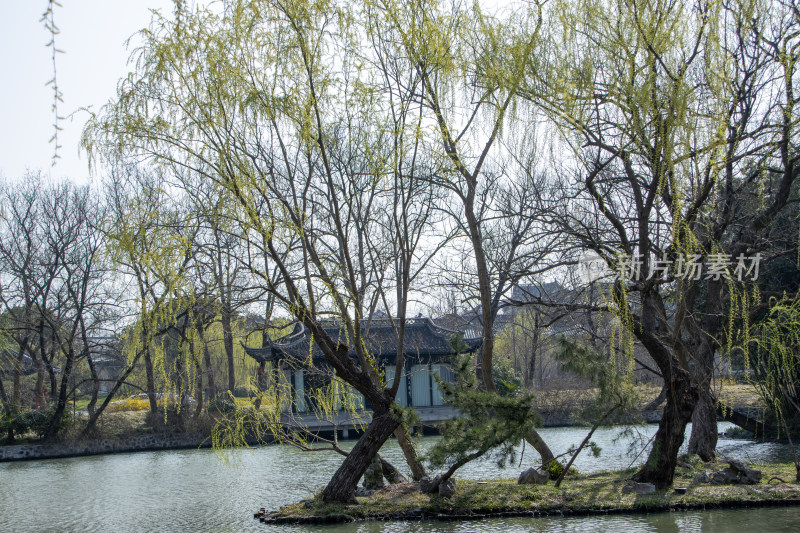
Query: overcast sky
93	33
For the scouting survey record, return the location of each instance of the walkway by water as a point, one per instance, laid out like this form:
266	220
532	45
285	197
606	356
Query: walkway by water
193	490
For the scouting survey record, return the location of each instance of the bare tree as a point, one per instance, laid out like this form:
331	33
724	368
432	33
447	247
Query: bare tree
58	282
468	90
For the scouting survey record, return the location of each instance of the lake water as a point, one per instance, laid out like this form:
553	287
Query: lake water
195	490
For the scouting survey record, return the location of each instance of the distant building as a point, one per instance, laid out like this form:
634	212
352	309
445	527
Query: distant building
108	361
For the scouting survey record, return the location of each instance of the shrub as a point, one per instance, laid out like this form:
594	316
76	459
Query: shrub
242	392
554	469
32	421
222	405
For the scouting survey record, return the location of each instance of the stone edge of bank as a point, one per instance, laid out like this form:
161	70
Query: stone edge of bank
479	514
176	441
134	443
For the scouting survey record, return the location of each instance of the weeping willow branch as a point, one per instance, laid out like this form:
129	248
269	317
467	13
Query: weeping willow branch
48	19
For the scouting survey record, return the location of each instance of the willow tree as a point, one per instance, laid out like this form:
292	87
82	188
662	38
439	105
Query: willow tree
274	104
753	193
663	119
771	352
150	243
220	276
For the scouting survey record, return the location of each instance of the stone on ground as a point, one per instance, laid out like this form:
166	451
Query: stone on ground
535	476
447	488
633	487
373	476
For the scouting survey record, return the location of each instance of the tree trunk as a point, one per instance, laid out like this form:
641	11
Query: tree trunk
61	399
342	486
198	378
682	395
39	387
530	370
17	383
417	470
227	338
151	383
703	440
90	426
90	407
181	384
199	392
9	412
212	386
583	444
392	474
51	374
758	429
538	443
438	480
658	400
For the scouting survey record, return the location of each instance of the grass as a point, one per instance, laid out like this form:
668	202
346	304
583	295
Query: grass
110	425
83	403
732	393
122	424
125	417
739	394
600	492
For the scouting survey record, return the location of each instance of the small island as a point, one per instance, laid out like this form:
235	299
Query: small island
597	493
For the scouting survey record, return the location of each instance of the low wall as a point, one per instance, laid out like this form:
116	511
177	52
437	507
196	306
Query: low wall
137	443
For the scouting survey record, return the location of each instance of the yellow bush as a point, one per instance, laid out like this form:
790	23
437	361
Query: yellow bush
129	404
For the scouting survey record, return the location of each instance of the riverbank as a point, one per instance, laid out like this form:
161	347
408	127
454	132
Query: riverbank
130	431
120	432
580	495
134	443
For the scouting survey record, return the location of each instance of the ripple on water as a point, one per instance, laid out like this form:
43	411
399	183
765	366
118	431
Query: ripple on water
192	490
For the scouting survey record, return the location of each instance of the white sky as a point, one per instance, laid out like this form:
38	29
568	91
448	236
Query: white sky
92	36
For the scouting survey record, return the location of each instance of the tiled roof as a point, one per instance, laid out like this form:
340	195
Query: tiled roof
422	337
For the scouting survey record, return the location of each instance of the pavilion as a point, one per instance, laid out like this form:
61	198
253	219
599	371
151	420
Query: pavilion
297	361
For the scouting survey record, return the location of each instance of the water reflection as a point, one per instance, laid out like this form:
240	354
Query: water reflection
193	490
743	520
